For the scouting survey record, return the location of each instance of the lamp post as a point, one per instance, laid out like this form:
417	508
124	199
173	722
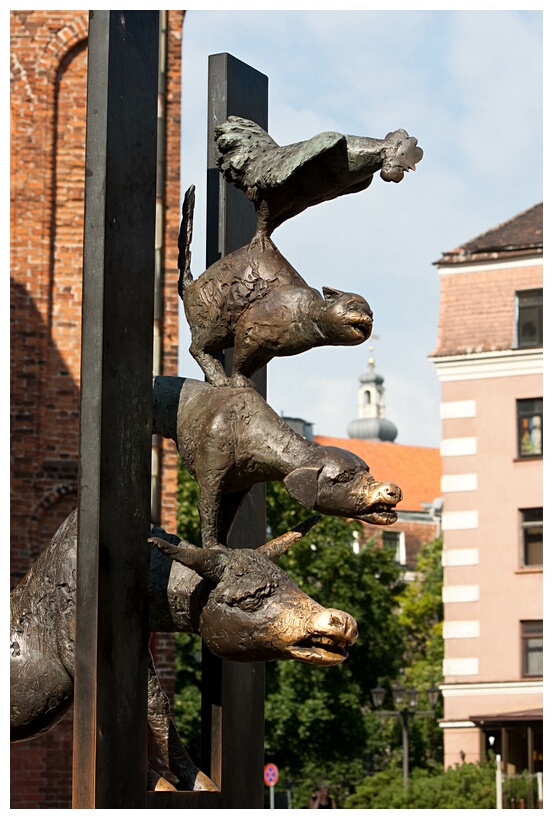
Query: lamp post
498	777
405	702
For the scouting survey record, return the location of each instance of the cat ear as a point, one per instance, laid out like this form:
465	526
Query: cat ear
331	294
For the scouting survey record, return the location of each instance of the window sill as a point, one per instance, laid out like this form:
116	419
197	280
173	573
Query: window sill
530	570
528	458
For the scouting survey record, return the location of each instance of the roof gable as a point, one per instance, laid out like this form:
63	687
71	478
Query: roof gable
520	236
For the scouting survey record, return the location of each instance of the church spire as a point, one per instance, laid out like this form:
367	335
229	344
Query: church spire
370	423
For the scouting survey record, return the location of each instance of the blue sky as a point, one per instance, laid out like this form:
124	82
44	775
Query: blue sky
468	85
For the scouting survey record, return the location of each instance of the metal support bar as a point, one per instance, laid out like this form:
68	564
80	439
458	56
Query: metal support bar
110	722
404	716
233	693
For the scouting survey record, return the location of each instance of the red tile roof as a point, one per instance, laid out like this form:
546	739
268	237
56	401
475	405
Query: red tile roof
520	236
416	469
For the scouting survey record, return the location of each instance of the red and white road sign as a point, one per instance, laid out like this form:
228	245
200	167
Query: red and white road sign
270	774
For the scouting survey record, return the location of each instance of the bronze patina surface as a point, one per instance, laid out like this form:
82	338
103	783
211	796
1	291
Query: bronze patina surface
241	603
229	439
254	301
282	181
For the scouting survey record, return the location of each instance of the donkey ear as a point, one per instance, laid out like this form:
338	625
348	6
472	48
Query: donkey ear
208	563
331	294
301	484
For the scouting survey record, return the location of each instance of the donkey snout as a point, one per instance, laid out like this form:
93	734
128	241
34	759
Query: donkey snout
336	624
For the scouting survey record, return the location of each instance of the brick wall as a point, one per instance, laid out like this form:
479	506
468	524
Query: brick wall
48	110
477	309
416	533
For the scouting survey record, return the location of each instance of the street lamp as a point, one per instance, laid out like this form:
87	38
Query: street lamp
405	701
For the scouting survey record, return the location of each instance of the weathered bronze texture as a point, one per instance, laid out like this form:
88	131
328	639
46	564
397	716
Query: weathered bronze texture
282	181
241	603
247	608
229	439
254	301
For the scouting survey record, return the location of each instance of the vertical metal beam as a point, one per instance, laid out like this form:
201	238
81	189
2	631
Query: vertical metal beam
110	722
233	693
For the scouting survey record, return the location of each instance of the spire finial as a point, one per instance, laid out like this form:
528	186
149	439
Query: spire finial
371	423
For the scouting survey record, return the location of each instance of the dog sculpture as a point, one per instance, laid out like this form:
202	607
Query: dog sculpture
255	301
229	439
241	603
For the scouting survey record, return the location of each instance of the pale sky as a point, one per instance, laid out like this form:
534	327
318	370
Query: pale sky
468	86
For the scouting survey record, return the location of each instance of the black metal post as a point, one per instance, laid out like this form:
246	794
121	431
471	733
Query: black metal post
404	715
110	720
233	693
404	719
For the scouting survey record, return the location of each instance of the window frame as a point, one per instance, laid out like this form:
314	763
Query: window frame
530	521
527	411
398	544
526	302
527	633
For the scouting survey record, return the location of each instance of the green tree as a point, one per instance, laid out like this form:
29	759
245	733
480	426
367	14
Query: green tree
188	659
188	518
465	786
420	616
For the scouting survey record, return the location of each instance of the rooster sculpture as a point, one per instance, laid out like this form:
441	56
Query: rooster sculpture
282	181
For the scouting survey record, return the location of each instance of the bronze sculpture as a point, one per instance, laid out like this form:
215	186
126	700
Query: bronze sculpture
282	181
254	301
243	605
229	438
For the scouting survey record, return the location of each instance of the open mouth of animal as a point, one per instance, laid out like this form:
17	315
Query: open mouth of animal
361	328
319	650
380	513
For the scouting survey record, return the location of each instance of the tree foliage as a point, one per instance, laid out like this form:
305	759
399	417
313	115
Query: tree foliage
465	786
188	681
188	659
188	518
421	615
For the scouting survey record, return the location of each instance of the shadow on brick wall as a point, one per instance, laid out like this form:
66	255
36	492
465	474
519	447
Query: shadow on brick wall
44	456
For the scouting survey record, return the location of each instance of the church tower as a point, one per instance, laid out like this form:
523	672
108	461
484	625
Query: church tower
371	425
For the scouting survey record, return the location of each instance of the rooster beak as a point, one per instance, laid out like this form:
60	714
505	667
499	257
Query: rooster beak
412	168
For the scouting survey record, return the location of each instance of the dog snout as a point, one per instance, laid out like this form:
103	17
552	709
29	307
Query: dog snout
392	492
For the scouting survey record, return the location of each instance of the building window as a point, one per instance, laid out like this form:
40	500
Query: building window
529	318
532	537
396	541
532	648
530	423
